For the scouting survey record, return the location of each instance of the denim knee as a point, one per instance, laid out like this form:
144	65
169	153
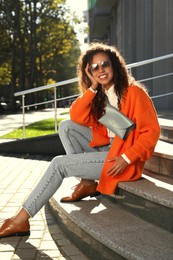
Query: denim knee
64	126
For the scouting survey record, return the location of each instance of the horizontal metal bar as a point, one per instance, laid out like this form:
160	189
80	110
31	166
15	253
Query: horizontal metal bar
57	84
50	101
58	99
144	62
156	77
61	83
162	95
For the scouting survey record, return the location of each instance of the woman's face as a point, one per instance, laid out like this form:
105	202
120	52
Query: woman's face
101	70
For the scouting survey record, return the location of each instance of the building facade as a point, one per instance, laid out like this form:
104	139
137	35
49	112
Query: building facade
141	29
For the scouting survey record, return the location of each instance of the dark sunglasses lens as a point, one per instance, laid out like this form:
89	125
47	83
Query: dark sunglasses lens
94	67
106	64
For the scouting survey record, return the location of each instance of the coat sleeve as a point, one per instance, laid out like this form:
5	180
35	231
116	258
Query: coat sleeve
80	109
147	130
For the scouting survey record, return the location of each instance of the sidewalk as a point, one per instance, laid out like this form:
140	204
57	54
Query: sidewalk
14	121
18	176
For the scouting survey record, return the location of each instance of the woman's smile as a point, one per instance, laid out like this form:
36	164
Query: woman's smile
101	69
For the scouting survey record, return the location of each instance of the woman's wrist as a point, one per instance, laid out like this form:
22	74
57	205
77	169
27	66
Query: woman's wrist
126	158
93	90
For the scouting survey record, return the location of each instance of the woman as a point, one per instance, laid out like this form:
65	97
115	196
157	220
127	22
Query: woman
94	152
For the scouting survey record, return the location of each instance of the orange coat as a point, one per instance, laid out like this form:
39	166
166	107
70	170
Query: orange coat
138	146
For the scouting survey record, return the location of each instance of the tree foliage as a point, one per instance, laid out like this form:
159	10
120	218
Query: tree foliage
38	43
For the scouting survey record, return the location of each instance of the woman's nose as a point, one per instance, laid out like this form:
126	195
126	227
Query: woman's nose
101	68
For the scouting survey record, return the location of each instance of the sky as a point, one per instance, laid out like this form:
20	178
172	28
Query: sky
78	6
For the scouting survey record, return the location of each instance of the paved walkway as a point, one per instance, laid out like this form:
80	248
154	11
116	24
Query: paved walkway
14	121
18	176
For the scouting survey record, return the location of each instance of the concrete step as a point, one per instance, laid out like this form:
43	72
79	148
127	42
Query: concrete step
104	229
166	124
150	198
166	134
161	162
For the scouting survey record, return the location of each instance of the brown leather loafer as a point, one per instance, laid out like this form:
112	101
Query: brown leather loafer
9	228
82	190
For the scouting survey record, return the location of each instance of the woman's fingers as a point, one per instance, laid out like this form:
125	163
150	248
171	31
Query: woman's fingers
118	167
94	83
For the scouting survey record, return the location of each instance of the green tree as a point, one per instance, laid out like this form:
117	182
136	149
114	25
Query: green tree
39	44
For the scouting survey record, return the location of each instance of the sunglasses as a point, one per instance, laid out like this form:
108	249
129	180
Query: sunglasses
104	64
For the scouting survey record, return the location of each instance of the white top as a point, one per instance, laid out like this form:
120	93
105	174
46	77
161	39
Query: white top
112	97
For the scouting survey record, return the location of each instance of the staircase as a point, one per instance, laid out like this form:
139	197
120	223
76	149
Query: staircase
136	222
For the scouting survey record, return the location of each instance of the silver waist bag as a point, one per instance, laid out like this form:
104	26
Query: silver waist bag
117	122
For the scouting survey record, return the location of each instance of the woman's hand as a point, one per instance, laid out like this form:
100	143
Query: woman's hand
118	167
94	83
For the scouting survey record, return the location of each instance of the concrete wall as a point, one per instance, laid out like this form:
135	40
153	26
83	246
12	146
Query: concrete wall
43	145
141	29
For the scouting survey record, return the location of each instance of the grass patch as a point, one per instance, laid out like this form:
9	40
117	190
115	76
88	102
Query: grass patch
39	128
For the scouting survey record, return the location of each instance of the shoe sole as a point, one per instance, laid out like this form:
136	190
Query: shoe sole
19	234
91	196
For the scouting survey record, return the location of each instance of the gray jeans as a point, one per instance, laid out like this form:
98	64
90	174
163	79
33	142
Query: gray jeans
81	161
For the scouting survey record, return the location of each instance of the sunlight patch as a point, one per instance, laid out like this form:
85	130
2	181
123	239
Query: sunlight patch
97	209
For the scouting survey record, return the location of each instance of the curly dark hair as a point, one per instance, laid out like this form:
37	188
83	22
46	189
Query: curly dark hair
122	78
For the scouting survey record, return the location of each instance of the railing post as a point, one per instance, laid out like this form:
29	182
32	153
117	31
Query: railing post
55	109
23	112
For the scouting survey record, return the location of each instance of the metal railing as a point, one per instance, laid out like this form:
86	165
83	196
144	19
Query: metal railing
65	82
